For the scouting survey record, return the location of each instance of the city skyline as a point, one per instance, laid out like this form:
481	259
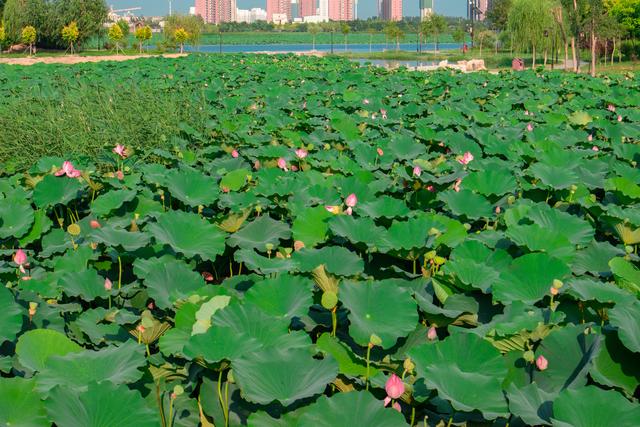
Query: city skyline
366	8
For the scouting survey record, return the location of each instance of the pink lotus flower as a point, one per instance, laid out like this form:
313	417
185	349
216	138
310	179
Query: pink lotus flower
542	363
235	154
349	211
333	209
20	258
140	329
301	153
394	387
304	105
383	113
351	200
256	164
619	118
611	108
595	148
466	158
431	188
530	127
417	171
498	210
121	151
94	224
107	284
590	138
365	101
69	170
282	164
396	406
456	186
120	175
208	277
553	291
379	151
432	334
526	112
225	189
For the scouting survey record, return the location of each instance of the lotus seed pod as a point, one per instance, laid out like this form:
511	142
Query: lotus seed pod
269	247
573	188
408	365
430	255
74	229
467	226
511	200
178	390
230	378
557	284
529	356
433	231
628	249
329	300
375	340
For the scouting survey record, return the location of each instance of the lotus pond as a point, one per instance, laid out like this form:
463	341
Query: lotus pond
332	246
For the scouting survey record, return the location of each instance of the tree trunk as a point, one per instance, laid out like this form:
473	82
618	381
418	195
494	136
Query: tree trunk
566	55
613	52
546	55
593	52
533	65
181	48
370	42
480	48
314	42
576	65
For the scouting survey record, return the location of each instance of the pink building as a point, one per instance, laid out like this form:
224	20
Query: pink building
391	10
307	8
341	10
216	11
278	7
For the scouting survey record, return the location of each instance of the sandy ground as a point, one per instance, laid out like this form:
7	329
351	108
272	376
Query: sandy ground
78	59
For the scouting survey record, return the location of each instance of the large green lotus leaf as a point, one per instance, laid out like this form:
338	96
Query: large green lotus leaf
218	344
467	203
10	316
189	234
624	185
100	405
235	180
491	181
259	233
167	279
586	289
384	207
53	190
356	408
405	148
616	366
570	354
174	340
593	407
283	297
470	379
576	230
530	403
20	404
626	317
595	258
344	356
541	239
407	235
556	177
41	224
118	237
310	226
261	264
282	374
87	284
529	278
192	187
35	347
356	230
344	124
626	274
111	200
476	265
118	365
336	260
378	308
15	219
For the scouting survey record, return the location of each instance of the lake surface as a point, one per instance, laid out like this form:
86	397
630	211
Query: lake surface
337	47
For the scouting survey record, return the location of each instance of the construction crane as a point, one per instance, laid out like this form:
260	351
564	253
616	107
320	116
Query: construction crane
131	9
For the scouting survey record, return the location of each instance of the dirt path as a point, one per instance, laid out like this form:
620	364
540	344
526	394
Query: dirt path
78	59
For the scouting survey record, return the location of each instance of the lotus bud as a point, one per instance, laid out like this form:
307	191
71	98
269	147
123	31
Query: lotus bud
511	200
258	209
297	245
94	224
208	277
542	363
230	378
108	285
329	300
33	308
394	387
432	334
351	200
178	390
467	226
553	291
93	245
20	258
557	284
379	151
374	340
573	188
528	356
408	365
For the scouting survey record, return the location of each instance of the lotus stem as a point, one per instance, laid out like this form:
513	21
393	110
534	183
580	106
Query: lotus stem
226	403
450	421
159	401
171	411
230	268
225	412
414	266
148	350
413	415
119	273
334	321
366	378
240	269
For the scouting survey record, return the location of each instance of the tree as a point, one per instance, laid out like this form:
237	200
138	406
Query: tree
181	36
116	36
193	25
458	34
70	35
28	37
485	37
345	30
596	19
627	13
3	36
143	34
314	29
394	32
439	27
498	14
528	21
19	14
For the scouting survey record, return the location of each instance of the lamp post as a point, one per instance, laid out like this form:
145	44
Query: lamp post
472	8
332	31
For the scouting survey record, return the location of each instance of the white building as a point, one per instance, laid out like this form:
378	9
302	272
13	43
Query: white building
280	18
243	15
258	14
315	19
323	10
192	10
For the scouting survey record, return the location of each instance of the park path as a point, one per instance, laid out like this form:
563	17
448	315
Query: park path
72	59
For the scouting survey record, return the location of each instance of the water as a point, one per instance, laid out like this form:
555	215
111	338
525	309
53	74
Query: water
394	63
337	48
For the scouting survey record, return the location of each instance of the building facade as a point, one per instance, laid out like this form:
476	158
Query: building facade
216	11
278	8
308	8
477	9
323	10
341	10
390	10
426	9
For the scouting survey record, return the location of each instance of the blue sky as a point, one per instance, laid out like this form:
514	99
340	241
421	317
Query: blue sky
366	8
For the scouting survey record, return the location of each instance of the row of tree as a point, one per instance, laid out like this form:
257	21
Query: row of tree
50	17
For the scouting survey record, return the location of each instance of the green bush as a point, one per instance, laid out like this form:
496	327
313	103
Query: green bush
630	50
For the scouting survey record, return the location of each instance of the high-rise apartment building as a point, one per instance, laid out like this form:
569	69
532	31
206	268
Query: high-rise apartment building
308	8
390	10
477	9
216	11
341	10
426	9
323	9
279	8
